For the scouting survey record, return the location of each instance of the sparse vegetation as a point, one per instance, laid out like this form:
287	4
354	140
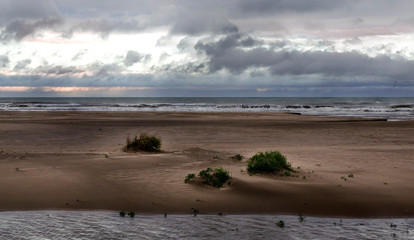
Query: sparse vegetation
122	213
215	178
286	173
281	224
189	177
195	211
301	217
268	162
238	157
351	175
131	214
145	143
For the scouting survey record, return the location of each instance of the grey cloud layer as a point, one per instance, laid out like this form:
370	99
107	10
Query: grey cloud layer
190	17
133	57
223	43
230	53
277	6
18	29
22	64
11	10
4	61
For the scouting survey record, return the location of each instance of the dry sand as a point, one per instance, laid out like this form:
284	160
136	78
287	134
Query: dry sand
74	160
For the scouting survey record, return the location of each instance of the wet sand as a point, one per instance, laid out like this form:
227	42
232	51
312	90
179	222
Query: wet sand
74	161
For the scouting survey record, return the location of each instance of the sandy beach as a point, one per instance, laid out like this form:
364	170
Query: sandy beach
74	160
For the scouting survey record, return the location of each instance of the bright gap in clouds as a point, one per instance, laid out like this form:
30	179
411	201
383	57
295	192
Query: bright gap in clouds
85	49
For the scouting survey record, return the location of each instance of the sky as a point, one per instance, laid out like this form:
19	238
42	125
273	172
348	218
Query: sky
215	48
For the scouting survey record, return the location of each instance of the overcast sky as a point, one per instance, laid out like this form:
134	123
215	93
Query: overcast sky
206	48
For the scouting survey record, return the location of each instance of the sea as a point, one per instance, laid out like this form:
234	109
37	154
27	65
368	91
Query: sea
391	109
110	225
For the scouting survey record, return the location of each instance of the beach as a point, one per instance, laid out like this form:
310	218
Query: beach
346	167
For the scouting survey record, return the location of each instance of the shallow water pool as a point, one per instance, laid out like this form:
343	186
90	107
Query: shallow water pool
109	225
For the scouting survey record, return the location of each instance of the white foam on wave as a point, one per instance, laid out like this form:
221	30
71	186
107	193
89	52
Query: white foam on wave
391	109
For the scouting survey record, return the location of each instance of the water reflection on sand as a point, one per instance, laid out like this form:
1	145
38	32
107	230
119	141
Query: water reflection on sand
109	225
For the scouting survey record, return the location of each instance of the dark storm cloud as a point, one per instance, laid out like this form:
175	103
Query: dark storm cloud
263	6
228	42
228	53
105	26
56	70
18	29
11	10
192	17
194	23
188	68
4	61
22	64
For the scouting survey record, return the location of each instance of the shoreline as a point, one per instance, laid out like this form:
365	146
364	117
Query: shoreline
161	215
56	160
349	118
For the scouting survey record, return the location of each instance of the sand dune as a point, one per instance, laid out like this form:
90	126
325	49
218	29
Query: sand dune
74	160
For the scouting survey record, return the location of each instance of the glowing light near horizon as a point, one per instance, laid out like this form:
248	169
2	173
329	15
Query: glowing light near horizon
16	89
70	89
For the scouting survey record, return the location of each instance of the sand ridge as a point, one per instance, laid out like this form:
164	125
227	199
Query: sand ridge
74	160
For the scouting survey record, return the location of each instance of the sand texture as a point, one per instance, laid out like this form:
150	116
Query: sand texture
74	160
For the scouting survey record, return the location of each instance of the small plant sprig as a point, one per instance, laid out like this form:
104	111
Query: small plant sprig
301	217
238	157
131	214
195	211
281	224
189	177
286	173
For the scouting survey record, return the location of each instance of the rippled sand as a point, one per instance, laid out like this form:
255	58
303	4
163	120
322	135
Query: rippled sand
74	160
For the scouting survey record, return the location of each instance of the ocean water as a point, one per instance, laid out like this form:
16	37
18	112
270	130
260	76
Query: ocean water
392	109
109	225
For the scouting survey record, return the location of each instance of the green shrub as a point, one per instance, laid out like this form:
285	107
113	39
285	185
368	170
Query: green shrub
268	162
131	214
189	177
281	224
215	178
122	213
144	143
